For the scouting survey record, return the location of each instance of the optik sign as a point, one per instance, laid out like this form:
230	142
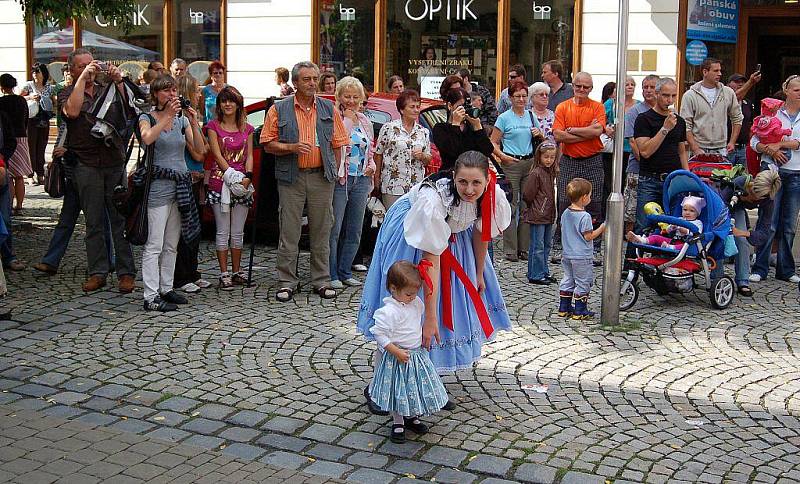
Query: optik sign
451	9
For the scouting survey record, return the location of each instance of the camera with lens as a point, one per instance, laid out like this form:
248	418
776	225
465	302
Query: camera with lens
185	103
472	112
102	66
104	131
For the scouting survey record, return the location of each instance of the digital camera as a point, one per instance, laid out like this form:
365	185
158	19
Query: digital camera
471	111
104	131
102	66
185	103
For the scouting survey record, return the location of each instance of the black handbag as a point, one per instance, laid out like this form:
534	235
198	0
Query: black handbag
55	179
131	199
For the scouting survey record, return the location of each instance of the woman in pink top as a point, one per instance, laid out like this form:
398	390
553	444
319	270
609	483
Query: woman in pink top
230	190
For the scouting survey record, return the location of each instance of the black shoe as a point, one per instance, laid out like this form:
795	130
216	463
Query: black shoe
551	279
415	425
374	409
541	282
398	434
158	305
174	297
449	405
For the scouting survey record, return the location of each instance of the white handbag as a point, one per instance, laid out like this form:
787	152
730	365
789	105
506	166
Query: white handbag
33	108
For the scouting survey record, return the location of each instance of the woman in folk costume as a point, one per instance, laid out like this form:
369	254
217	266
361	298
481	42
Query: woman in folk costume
448	219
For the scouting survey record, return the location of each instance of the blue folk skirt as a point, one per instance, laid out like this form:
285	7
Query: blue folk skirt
461	347
410	389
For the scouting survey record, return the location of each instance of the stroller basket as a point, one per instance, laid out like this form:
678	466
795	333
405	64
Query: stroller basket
678	280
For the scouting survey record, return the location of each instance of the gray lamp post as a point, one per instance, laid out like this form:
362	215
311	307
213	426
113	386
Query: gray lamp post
612	268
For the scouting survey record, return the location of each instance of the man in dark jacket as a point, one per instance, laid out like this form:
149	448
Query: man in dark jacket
100	166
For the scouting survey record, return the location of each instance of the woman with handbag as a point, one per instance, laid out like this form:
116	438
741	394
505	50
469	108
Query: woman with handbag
19	166
171	209
39	90
515	137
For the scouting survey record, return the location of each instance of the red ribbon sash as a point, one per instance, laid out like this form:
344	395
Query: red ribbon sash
423	267
448	262
488	208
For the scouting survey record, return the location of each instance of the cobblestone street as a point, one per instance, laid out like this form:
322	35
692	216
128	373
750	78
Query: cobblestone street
238	387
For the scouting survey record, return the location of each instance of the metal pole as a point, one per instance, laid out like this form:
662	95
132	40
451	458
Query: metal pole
612	269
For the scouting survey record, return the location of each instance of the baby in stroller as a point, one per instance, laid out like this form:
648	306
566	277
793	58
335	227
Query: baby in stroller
691	207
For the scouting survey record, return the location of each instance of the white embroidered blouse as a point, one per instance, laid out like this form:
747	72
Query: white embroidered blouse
433	217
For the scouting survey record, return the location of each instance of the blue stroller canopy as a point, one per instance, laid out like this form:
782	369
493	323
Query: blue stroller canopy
715	215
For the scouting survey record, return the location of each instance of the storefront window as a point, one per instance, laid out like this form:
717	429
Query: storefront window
428	40
541	30
142	44
51	46
197	34
347	38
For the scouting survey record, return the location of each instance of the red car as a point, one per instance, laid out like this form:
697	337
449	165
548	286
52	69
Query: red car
380	109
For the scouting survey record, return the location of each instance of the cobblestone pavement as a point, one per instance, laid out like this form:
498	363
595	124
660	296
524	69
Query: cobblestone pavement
677	392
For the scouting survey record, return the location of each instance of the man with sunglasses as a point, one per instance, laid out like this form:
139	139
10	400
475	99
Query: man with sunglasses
515	73
577	126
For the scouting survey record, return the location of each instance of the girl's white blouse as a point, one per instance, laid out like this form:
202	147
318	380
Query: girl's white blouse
433	217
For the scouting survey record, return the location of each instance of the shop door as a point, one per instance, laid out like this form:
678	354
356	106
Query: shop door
772	42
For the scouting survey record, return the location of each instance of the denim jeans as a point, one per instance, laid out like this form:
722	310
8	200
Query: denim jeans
738	157
784	221
741	261
6	248
649	190
349	204
70	210
539	251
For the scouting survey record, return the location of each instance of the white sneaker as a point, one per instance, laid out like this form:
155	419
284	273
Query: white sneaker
336	285
202	283
360	268
794	279
190	287
352	282
754	278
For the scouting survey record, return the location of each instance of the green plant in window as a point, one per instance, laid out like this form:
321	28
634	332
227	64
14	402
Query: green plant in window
43	12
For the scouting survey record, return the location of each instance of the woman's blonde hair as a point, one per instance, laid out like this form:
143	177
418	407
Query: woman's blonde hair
349	82
187	87
545	147
767	184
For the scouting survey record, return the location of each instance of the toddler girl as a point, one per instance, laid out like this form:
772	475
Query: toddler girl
405	382
539	194
691	207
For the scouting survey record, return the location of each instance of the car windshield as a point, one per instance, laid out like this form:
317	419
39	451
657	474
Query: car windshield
256	118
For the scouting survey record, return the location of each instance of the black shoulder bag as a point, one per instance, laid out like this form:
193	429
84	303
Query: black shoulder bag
131	200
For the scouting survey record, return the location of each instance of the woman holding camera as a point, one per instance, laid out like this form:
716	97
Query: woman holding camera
515	134
171	210
461	132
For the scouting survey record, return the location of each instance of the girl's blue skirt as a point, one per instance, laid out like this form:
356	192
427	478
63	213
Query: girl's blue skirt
410	389
461	347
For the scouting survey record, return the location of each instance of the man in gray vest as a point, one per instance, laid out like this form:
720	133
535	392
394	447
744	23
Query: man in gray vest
306	135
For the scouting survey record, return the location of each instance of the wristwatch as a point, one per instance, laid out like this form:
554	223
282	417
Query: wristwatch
664	131
569	130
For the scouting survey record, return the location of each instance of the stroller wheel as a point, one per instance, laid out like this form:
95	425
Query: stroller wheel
721	292
628	294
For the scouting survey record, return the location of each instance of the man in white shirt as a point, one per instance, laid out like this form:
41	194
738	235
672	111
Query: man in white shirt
707	107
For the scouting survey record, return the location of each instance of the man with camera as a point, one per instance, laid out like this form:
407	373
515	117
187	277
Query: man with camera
99	159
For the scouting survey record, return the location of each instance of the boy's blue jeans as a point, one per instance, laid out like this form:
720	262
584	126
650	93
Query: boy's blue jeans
539	251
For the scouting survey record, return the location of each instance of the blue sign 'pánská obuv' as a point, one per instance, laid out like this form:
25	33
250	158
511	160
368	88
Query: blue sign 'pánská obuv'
696	52
714	20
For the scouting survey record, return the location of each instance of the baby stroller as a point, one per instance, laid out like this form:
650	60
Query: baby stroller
673	270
